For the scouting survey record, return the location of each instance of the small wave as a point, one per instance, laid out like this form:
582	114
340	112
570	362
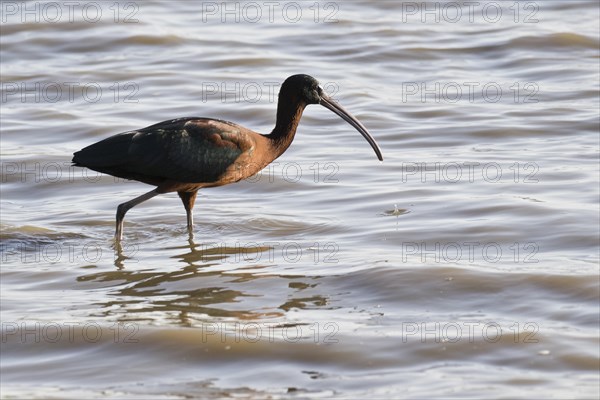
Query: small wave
555	41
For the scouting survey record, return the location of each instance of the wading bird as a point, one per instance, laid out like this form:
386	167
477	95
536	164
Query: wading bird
186	154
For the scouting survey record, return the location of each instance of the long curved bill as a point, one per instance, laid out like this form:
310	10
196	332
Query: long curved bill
329	103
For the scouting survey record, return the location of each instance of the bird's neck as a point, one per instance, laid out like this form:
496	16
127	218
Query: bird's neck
289	113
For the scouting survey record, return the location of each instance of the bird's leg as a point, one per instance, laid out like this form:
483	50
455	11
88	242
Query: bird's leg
188	199
123	208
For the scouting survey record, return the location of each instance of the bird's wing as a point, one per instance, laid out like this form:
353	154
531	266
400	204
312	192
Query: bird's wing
191	150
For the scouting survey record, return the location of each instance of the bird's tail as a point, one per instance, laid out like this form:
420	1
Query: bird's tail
109	152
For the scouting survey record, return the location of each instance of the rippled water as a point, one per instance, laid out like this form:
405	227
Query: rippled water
464	265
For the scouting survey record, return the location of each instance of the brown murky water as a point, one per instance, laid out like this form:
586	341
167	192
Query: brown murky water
464	265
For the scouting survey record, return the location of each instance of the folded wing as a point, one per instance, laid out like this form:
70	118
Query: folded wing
191	150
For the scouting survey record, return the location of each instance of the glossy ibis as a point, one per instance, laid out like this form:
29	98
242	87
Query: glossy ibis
186	154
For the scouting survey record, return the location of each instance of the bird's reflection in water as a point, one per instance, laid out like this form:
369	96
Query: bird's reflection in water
206	252
200	291
123	253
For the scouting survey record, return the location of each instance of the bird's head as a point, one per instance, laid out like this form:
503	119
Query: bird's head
305	88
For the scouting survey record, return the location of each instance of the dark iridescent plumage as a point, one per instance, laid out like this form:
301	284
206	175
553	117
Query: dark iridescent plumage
186	154
195	150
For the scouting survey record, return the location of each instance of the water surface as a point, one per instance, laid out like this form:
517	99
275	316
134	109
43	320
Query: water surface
464	265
